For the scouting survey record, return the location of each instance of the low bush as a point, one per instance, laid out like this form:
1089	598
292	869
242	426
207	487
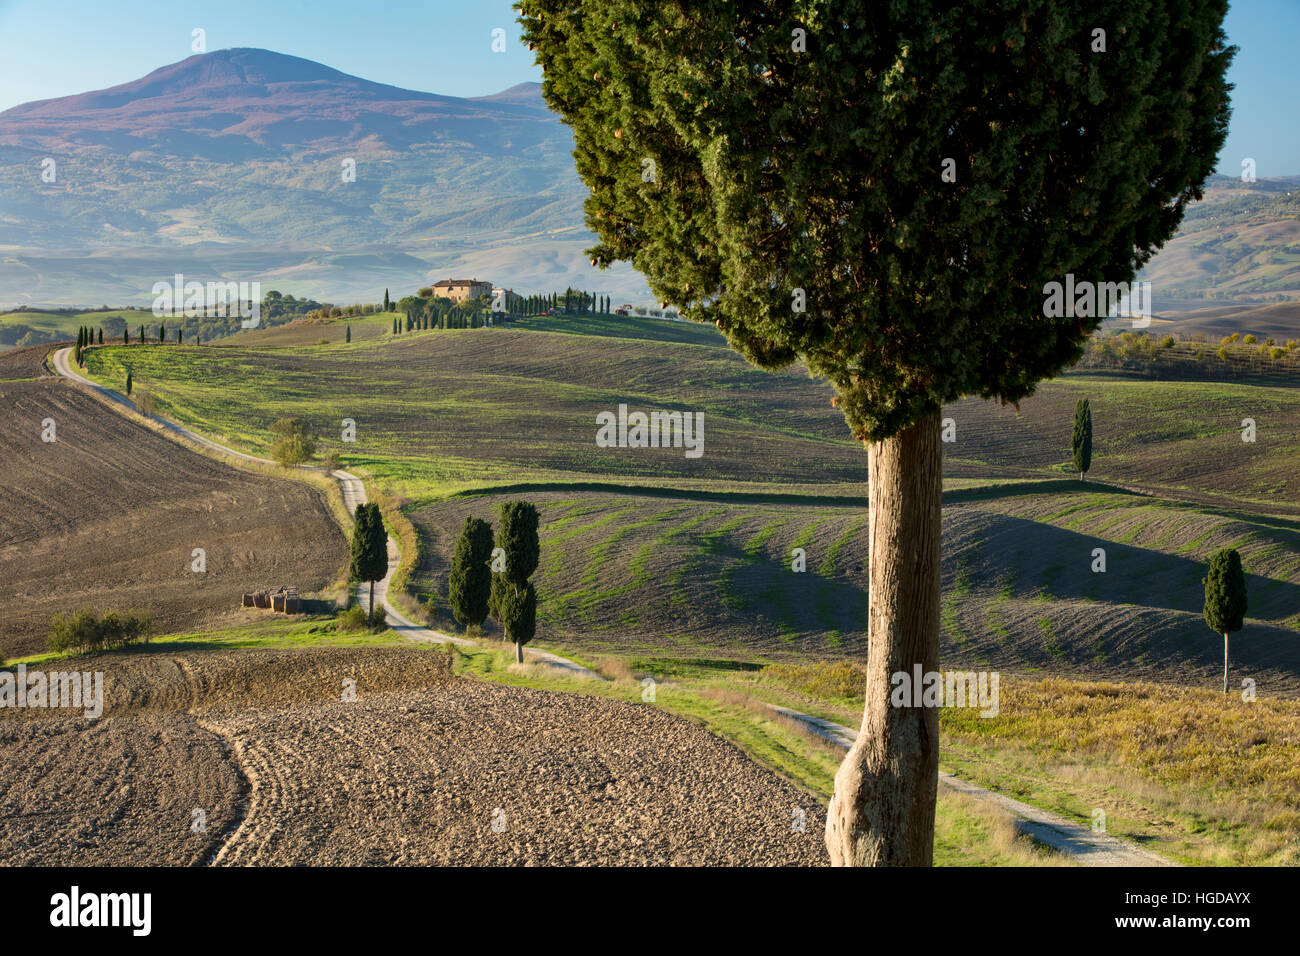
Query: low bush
429	609
87	631
354	618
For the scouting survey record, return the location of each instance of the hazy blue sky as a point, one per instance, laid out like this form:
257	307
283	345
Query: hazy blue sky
50	48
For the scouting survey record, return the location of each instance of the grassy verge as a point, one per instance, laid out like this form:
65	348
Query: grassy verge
1201	778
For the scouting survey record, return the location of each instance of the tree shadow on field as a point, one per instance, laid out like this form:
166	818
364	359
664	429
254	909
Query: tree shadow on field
1059	562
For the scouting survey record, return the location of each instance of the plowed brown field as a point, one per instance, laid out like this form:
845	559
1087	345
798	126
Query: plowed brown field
109	514
416	770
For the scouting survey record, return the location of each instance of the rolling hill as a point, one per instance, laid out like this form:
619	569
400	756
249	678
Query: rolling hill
648	554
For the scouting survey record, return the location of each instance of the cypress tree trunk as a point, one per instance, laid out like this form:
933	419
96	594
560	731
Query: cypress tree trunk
519	653
1225	663
372	601
882	813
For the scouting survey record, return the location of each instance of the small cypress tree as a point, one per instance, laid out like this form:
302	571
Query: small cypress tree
517	612
142	333
162	331
101	335
180	336
1081	440
126	335
347	335
128	382
515	600
387	303
470	582
1225	599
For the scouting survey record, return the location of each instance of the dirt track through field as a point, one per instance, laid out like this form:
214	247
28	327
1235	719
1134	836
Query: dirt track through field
1079	842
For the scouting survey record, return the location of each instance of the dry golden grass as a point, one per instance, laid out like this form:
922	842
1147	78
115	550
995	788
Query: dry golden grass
1210	779
840	680
965	821
1216	778
613	668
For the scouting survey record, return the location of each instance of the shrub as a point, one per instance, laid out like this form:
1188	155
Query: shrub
351	619
1250	340
146	404
429	608
86	631
296	443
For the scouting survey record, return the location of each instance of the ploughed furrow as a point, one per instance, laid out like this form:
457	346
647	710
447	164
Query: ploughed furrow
469	773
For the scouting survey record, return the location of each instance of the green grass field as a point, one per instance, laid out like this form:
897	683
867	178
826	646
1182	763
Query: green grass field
644	549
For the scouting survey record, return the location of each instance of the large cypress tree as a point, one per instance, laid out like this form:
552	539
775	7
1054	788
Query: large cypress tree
883	191
470	581
514	601
1225	599
1081	439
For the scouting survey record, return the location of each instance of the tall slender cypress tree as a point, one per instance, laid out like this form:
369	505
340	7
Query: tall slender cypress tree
470	582
1081	439
1225	599
514	598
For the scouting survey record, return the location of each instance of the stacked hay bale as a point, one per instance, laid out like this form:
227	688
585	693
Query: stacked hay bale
279	599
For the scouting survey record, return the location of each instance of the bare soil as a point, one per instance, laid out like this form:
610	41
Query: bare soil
108	516
415	770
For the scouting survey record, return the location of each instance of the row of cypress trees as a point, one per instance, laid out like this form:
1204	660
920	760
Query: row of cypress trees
492	580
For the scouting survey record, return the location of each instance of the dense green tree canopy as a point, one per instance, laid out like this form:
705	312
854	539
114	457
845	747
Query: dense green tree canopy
369	550
739	151
1225	592
470	582
518	538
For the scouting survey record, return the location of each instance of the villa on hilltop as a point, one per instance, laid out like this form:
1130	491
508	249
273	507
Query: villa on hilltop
458	290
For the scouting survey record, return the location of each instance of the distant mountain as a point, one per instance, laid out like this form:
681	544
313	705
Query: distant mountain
250	149
250	146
